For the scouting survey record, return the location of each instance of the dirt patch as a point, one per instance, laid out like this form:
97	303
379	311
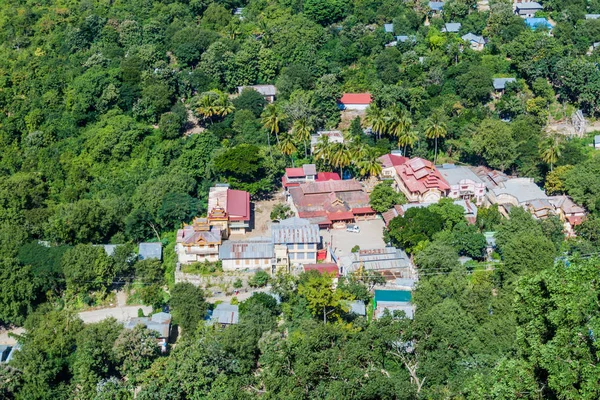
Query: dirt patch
192	126
6	339
347	117
262	215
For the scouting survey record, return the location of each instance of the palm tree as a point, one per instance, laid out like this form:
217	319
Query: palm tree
287	145
435	129
223	105
369	164
214	103
407	138
302	130
399	121
271	118
205	106
340	157
376	117
550	150
323	148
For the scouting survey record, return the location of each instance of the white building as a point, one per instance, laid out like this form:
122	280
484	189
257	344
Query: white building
355	101
464	184
300	238
198	242
250	254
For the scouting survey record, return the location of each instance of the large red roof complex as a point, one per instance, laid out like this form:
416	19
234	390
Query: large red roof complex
420	176
356	98
330	202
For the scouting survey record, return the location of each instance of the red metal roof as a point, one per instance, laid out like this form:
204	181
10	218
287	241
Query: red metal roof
328	176
340	216
356	98
324	268
363	210
392	160
238	205
295	172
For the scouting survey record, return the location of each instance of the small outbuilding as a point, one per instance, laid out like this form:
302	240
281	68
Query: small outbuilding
355	101
150	251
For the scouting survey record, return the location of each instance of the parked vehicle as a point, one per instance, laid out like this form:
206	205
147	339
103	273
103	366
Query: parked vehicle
353	228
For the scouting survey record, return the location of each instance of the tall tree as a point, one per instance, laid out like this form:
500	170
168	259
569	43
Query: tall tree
550	149
272	117
376	117
323	299
287	145
368	164
340	156
435	128
302	129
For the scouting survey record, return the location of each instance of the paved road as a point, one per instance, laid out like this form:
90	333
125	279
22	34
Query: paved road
120	313
370	237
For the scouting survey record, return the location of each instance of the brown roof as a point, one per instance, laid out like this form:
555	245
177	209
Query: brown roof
331	186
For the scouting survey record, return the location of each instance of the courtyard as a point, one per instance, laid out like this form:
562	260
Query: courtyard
370	237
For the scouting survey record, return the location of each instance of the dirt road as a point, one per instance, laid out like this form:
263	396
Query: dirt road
120	313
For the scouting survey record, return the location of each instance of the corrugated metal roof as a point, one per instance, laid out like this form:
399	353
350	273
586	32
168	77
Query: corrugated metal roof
226	313
150	250
261	247
295	230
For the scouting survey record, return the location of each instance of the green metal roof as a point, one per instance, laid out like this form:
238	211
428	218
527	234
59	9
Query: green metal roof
393	295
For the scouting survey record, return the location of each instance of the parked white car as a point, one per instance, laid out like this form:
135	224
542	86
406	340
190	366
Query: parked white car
353	228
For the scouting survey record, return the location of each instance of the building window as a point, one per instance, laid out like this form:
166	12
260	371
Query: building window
237	262
300	246
310	246
247	262
311	255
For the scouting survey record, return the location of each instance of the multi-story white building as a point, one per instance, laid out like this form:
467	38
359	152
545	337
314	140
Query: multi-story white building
198	242
300	237
464	184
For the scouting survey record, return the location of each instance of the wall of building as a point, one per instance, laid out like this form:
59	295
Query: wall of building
206	254
249	263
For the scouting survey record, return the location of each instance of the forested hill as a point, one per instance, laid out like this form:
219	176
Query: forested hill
94	96
116	117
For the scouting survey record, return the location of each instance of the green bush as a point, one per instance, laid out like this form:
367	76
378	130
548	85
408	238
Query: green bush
260	279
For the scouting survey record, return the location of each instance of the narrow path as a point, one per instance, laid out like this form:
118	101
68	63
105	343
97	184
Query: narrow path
121	314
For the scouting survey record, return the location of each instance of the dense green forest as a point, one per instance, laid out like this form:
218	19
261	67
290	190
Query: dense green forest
117	116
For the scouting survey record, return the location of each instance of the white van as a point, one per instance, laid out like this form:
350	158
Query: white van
353	228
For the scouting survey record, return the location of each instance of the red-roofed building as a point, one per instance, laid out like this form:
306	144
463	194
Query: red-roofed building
325	268
328	176
355	101
332	203
295	176
419	180
229	210
389	162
